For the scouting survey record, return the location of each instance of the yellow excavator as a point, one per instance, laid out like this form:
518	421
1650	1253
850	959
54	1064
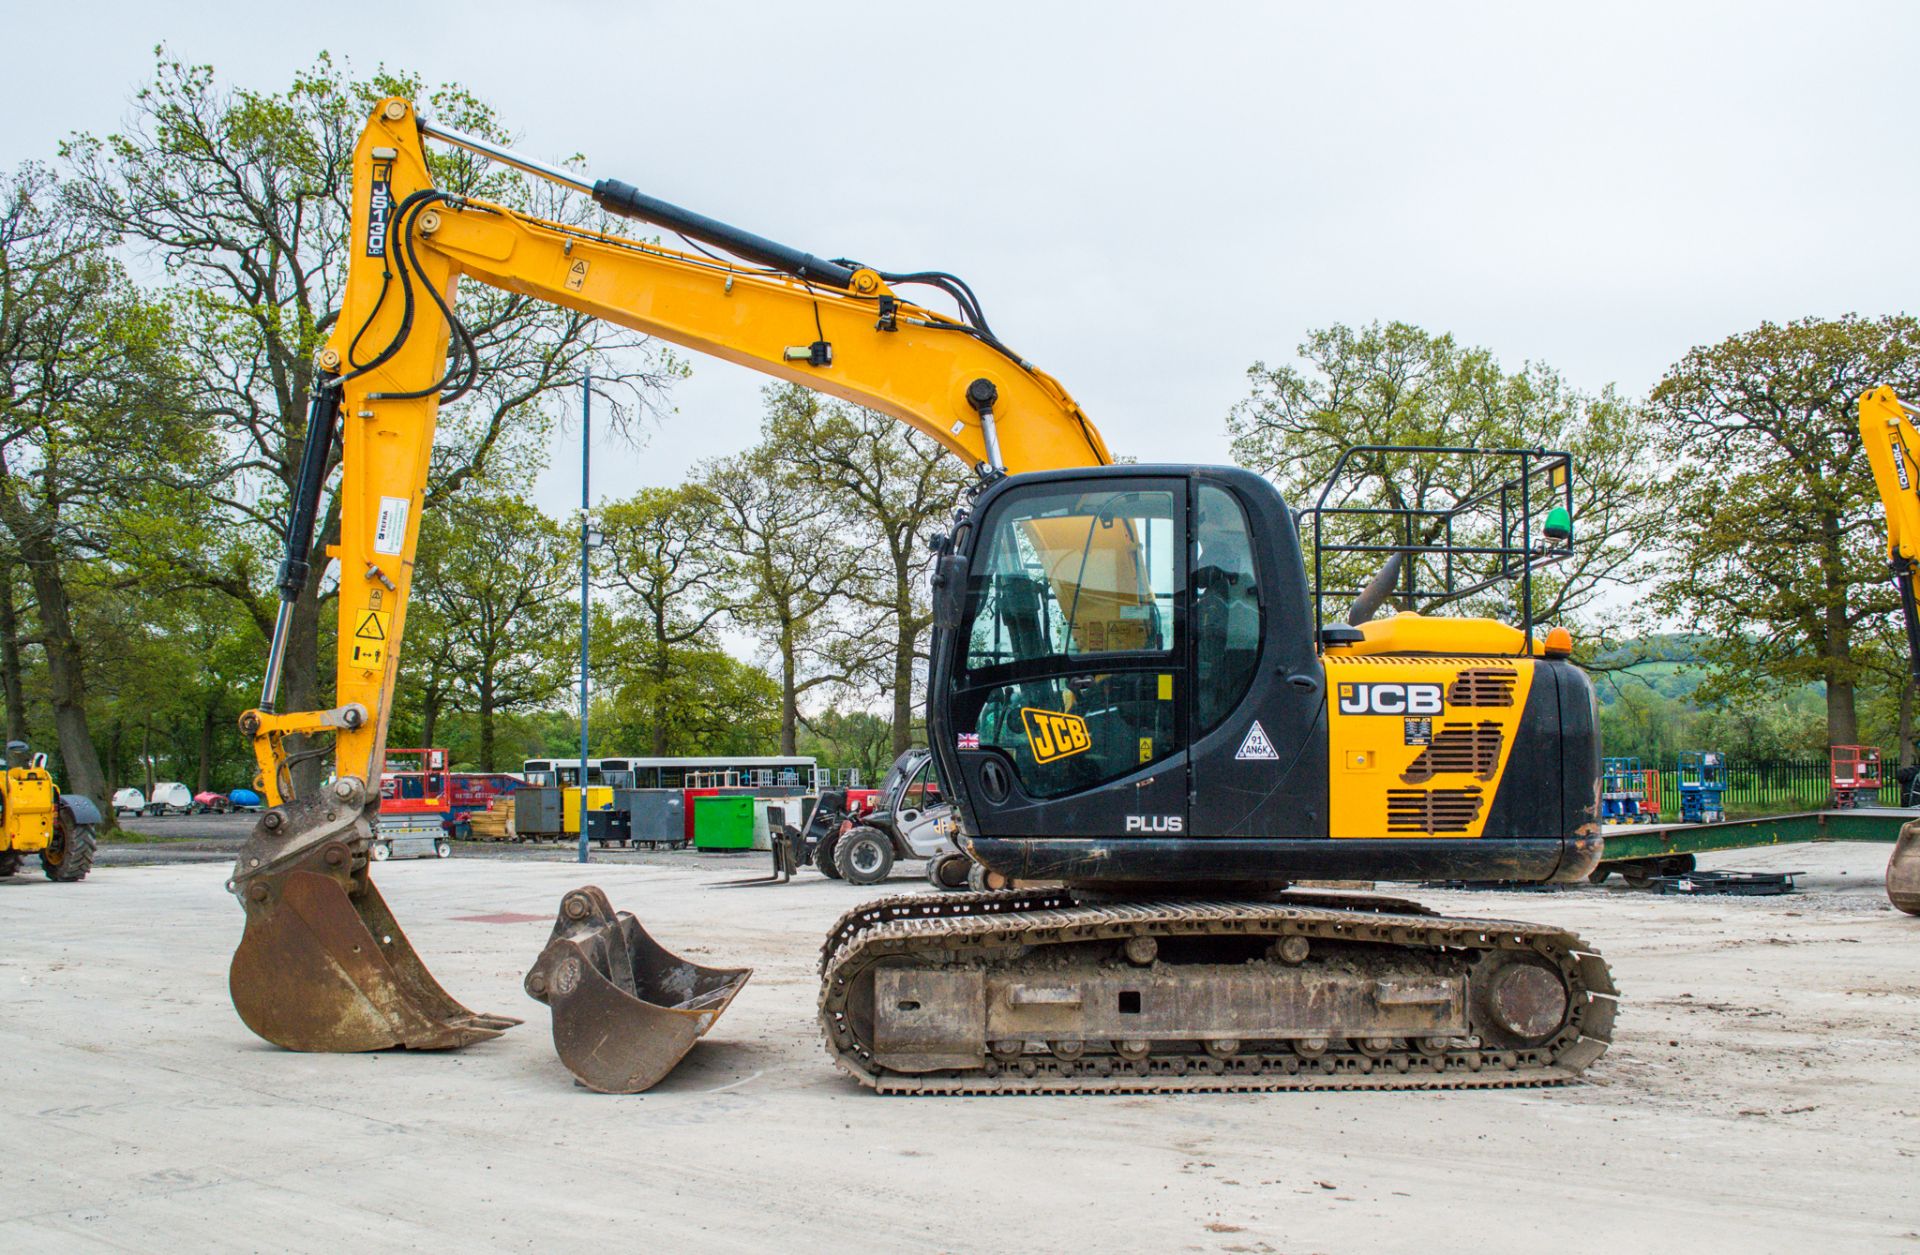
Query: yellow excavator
1893	451
1136	699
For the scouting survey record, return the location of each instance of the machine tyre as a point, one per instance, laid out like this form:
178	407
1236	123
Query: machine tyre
70	857
443	848
864	856
823	856
9	864
382	851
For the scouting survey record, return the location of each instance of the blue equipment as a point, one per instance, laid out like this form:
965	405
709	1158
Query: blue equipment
1703	786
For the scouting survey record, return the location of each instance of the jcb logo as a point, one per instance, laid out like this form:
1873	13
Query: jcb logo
1052	734
1390	699
1155	823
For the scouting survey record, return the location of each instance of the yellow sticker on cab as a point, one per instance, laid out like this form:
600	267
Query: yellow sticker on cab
1052	734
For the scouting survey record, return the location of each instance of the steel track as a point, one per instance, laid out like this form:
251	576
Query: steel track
948	928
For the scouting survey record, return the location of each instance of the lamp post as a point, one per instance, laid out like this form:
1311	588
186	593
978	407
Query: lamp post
586	547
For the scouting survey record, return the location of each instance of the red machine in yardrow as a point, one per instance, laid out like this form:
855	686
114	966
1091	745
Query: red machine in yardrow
1855	775
424	787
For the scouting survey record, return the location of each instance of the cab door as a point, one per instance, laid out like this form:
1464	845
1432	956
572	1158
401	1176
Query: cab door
1070	668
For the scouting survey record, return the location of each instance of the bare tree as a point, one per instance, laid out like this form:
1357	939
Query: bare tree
889	488
790	567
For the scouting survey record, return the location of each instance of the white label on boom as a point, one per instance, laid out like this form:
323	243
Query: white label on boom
390	533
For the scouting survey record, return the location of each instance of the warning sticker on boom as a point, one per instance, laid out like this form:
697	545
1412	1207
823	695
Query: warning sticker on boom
1257	747
370	639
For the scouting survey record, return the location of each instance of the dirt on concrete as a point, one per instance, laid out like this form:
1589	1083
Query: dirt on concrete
1762	1094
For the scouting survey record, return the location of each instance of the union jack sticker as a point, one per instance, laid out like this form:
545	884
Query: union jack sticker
969	740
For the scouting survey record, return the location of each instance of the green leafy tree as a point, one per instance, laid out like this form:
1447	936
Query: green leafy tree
1777	537
243	198
1396	384
496	576
90	418
705	702
664	565
853	738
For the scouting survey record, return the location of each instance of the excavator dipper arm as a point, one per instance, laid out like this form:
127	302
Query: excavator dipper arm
1893	450
323	965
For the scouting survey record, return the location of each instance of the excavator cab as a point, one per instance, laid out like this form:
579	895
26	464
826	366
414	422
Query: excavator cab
1133	685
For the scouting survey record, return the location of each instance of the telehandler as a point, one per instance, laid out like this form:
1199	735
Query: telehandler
36	818
1135	696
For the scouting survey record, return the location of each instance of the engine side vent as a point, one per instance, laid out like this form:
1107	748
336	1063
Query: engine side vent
1432	810
1473	748
1483	686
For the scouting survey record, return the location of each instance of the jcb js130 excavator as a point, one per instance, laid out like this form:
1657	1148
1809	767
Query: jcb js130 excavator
1134	698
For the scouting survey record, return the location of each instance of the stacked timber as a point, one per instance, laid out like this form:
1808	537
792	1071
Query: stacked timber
494	823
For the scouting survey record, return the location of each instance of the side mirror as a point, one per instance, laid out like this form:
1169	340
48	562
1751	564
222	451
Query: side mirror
949	591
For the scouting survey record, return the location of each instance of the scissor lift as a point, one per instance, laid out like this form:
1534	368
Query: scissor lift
1855	772
1702	777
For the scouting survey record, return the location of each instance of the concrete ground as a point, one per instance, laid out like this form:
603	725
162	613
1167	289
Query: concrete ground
1763	1094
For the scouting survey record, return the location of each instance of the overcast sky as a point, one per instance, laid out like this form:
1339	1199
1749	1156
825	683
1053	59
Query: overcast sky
1148	198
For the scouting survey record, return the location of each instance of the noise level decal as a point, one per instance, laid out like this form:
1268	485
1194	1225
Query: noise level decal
1257	747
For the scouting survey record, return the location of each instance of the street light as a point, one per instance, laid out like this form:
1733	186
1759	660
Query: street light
588	542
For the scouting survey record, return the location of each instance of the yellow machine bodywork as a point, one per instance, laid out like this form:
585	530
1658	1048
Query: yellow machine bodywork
918	371
1422	715
27	810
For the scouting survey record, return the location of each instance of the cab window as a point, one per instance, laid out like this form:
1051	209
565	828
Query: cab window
1075	572
1074	654
1227	623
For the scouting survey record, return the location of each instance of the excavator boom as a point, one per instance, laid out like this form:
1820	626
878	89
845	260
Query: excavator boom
323	965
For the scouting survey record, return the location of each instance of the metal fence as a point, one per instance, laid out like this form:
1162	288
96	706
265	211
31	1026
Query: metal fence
1764	786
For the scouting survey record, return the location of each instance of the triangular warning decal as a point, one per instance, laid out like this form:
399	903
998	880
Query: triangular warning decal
1256	746
373	627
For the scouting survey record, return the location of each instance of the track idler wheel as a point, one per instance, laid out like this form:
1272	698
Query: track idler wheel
1903	870
323	965
625	1009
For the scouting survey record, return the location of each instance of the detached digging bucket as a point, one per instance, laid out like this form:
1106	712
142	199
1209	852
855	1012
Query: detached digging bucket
625	1009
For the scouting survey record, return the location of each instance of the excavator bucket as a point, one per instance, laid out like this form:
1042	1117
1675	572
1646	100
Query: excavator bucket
625	1009
323	965
1903	870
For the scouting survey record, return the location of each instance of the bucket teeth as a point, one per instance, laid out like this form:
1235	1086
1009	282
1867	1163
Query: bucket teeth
625	1009
323	965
